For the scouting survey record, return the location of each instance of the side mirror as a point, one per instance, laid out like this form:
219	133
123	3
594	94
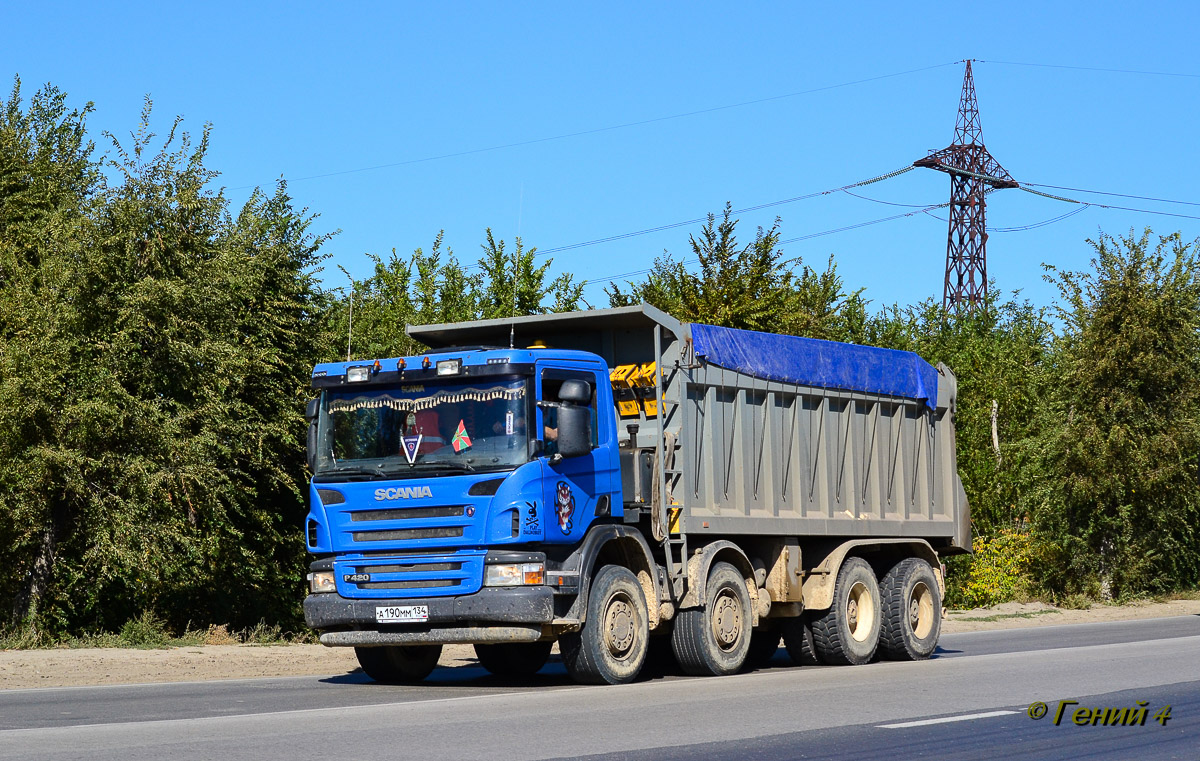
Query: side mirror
312	409
575	391
574	429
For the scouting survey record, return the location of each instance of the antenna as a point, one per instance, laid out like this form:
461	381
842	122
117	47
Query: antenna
350	326
512	326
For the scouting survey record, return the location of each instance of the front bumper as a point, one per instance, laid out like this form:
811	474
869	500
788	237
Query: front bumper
493	614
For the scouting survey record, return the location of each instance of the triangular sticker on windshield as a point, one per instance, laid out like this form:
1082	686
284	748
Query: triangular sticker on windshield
411	444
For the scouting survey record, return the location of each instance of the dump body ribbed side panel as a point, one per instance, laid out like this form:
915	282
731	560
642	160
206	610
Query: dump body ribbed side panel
767	457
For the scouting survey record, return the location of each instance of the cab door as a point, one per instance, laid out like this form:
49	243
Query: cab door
576	490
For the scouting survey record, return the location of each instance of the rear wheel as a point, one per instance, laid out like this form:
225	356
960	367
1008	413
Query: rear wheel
398	665
714	640
611	647
514	659
912	611
798	639
848	633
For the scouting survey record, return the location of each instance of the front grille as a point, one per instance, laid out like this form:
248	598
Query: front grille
449	511
410	575
410	567
392	553
399	535
417	584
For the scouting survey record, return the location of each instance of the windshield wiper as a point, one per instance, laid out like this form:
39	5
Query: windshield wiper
356	470
447	464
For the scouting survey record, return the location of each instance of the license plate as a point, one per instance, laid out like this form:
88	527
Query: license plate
401	614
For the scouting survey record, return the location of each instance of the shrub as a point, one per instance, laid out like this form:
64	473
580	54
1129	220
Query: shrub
999	570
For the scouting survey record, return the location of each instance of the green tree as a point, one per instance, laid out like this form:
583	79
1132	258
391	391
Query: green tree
752	287
426	289
47	178
1118	500
153	424
511	285
749	287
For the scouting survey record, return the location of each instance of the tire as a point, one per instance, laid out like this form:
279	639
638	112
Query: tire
912	611
764	642
611	647
398	665
798	639
514	659
848	633
714	640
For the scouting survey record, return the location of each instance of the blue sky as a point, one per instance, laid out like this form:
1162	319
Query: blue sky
298	90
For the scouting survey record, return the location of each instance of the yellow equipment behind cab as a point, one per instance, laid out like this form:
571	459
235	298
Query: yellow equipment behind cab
643	383
623	391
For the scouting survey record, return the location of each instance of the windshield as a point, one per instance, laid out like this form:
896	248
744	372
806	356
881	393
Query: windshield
468	425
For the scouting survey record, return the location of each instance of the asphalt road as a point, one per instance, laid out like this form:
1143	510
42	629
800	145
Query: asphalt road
969	701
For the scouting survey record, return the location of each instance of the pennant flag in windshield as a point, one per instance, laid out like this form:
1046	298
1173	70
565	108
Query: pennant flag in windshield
461	439
411	445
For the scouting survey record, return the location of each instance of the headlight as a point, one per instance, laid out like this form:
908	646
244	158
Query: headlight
514	575
321	581
449	366
357	374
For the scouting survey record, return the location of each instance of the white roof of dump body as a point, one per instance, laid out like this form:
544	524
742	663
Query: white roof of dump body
558	329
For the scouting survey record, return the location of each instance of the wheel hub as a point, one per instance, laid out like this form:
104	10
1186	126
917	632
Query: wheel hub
727	621
860	612
619	627
920	610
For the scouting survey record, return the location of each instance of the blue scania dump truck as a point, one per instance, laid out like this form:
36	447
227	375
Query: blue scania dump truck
622	483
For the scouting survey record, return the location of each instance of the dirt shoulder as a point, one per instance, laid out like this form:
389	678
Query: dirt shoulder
94	666
1013	615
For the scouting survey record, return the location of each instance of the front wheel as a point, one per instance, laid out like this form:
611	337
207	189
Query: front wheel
714	640
611	646
398	665
514	659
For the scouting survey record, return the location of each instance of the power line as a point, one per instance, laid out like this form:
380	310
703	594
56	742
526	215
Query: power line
1110	206
1118	195
611	278
845	189
927	210
1093	68
698	220
886	203
610	128
1043	223
864	224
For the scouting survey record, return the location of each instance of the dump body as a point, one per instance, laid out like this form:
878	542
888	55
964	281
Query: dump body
755	450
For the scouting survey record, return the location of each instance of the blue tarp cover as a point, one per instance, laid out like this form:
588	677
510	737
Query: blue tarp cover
823	364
